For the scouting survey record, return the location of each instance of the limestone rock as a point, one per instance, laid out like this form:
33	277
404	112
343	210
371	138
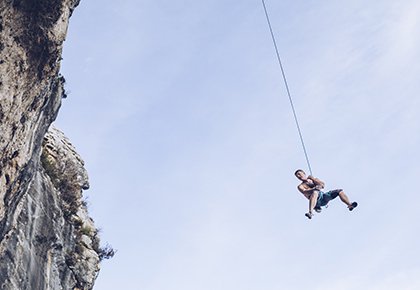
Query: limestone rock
47	240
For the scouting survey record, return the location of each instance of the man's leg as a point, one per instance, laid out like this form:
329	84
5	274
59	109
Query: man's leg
312	201
344	198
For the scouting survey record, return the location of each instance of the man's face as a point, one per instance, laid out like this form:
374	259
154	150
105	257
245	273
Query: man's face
301	175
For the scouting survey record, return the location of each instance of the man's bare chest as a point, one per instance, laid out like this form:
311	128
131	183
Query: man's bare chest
308	184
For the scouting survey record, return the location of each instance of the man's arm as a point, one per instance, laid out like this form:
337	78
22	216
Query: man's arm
319	184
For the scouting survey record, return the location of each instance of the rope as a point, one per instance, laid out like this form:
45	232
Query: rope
287	88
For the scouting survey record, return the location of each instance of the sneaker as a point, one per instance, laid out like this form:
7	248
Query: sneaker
309	215
352	206
318	209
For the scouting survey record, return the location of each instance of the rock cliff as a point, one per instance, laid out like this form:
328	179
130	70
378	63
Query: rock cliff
47	240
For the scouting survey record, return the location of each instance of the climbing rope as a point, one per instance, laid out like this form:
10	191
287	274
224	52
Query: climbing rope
287	87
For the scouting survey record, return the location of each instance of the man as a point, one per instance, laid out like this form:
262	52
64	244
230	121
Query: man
311	189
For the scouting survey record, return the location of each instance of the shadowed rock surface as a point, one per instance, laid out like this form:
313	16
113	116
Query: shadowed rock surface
47	240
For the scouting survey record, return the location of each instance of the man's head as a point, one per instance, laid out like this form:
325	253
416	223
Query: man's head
300	174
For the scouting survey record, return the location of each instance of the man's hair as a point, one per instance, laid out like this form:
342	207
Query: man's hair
299	170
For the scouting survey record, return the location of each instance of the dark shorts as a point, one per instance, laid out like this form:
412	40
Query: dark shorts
325	197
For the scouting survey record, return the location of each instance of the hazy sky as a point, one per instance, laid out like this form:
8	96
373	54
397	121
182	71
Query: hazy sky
179	110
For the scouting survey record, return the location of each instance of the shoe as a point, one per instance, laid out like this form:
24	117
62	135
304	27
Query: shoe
352	206
318	209
309	215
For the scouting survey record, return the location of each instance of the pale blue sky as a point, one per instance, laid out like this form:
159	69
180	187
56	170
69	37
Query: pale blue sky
179	110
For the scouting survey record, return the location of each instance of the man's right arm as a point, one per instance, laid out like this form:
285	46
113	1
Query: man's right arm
319	184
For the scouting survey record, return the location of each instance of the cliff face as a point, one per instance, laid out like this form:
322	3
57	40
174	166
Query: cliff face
47	240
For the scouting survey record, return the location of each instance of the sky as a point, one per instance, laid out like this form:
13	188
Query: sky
179	110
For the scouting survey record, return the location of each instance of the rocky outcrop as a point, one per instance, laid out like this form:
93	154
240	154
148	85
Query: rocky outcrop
47	240
51	242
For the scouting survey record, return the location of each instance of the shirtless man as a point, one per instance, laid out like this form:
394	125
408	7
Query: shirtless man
311	188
